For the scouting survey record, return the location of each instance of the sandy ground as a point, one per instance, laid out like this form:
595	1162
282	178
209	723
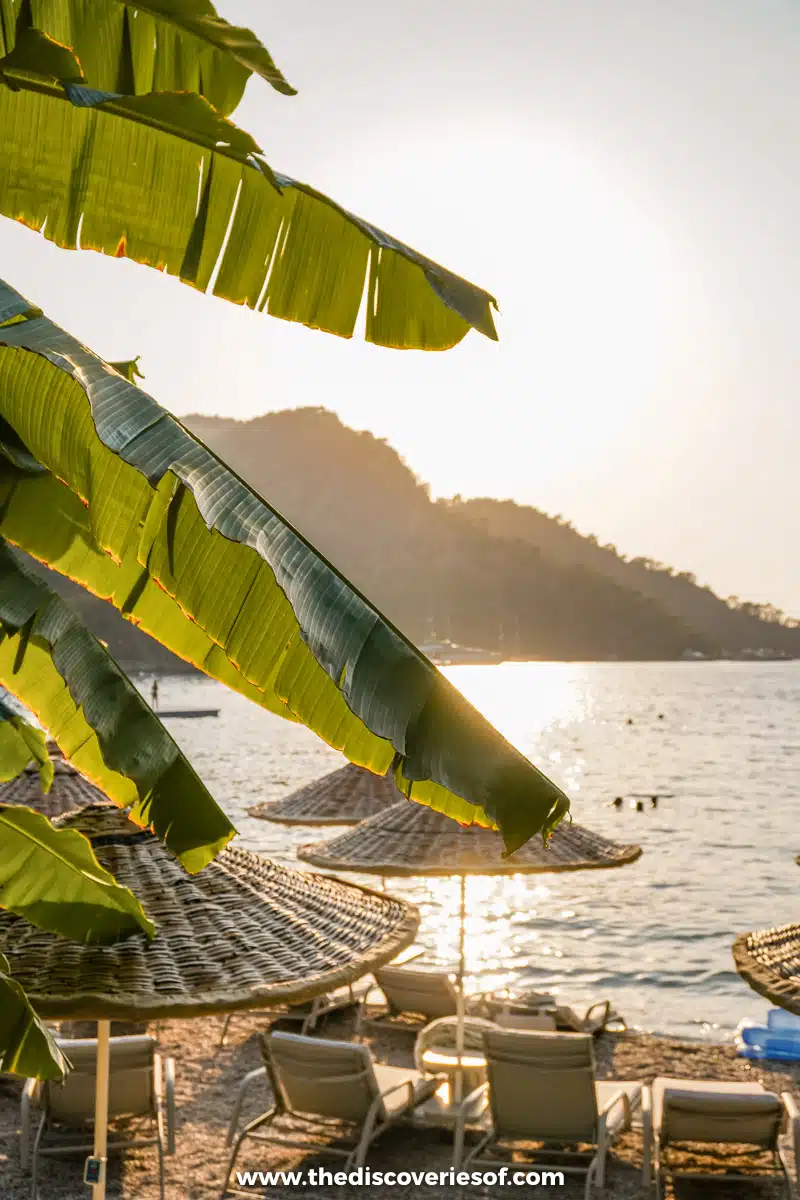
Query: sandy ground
207	1079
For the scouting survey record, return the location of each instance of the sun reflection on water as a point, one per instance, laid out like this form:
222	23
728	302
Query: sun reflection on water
524	705
519	702
503	912
655	937
499	912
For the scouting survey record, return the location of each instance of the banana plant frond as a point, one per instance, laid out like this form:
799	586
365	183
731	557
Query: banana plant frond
160	45
51	71
27	1048
166	180
129	369
157	501
60	672
21	744
51	878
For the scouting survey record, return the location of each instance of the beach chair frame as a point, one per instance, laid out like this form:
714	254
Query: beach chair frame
389	1011
53	1140
664	1171
308	1016
359	1136
592	1162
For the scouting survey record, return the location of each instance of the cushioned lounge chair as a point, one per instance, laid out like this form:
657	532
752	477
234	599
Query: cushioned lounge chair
422	995
141	1084
526	1021
349	995
688	1112
542	1088
595	1019
309	1014
321	1084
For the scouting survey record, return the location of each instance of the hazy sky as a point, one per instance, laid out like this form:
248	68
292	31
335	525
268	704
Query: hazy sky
624	175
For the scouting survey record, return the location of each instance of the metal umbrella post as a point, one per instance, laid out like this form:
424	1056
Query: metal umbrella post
96	1167
458	1089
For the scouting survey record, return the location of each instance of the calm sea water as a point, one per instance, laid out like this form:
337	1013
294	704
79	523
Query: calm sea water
655	936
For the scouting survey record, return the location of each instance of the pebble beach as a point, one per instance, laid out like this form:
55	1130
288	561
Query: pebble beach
207	1078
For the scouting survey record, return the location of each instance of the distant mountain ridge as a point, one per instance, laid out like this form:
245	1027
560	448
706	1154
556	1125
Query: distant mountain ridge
739	626
487	573
480	572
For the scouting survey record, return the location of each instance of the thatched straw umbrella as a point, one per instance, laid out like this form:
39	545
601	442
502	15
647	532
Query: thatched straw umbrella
409	839
343	797
769	960
69	790
243	933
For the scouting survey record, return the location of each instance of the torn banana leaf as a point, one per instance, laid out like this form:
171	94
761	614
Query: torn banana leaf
169	513
60	672
27	1048
129	369
166	180
161	45
51	878
21	744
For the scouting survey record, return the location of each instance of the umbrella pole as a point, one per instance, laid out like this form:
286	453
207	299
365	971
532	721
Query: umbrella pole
101	1107
459	1080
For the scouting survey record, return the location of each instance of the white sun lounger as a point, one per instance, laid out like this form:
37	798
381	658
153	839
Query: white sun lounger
696	1111
320	1084
141	1084
542	1088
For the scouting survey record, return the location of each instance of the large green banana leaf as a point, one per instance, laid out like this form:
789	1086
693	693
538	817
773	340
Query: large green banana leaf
26	1047
54	666
170	516
166	180
52	879
157	46
20	744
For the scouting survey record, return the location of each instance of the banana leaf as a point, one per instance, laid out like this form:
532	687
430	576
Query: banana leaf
20	744
161	45
51	878
26	1046
163	510
129	369
166	180
53	665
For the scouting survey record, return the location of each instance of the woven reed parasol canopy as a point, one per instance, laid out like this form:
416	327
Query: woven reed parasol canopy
343	797
69	790
243	933
409	839
769	960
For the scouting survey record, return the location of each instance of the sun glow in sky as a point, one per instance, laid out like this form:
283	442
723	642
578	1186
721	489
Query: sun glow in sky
624	178
591	292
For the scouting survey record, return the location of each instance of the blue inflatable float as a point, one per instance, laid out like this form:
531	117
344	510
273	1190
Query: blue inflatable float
778	1040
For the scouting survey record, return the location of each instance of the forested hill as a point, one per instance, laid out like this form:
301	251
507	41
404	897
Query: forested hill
484	572
736	624
480	573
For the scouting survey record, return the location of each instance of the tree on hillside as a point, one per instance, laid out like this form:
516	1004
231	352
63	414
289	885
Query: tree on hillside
717	623
117	138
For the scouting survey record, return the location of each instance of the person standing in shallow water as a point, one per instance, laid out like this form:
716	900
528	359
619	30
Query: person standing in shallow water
154	694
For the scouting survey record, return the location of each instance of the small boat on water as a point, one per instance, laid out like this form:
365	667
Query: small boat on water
187	712
450	654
